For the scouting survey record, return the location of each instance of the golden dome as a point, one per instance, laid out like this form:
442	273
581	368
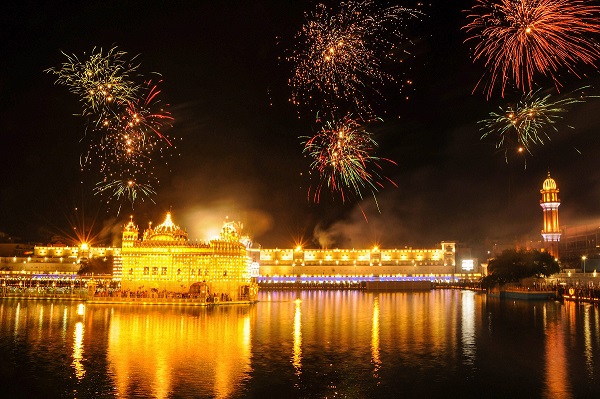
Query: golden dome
167	229
549	183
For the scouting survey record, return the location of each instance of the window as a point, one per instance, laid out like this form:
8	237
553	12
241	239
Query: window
164	271
155	271
131	272
146	271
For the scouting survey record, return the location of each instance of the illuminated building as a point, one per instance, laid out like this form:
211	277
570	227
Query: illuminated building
165	260
341	265
550	204
56	261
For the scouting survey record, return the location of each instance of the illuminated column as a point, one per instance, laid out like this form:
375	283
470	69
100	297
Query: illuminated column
549	204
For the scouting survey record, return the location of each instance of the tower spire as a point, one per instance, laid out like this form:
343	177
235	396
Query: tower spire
550	203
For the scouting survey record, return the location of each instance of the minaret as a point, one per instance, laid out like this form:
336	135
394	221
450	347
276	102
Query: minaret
550	204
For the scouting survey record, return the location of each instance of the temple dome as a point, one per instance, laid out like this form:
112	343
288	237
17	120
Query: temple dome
166	230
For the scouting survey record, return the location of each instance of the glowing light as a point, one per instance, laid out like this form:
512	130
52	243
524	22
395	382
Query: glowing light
297	349
78	351
375	350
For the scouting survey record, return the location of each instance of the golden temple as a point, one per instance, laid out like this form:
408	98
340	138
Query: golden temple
164	260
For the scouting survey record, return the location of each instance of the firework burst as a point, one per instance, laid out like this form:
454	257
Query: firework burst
130	143
340	55
128	190
342	152
520	39
136	133
126	122
529	122
102	80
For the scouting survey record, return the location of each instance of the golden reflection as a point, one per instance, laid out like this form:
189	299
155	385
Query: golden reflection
375	359
297	355
81	309
468	327
65	319
41	321
587	335
78	351
557	382
150	350
597	327
17	318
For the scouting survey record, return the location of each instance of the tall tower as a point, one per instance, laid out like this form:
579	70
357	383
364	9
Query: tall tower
550	204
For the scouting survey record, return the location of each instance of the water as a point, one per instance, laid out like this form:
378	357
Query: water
307	344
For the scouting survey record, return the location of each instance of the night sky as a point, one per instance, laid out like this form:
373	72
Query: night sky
225	78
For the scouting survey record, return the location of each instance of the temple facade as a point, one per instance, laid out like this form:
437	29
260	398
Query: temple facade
163	259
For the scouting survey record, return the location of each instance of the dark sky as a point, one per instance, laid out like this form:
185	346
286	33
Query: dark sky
241	156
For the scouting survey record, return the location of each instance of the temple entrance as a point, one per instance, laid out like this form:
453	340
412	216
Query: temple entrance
199	290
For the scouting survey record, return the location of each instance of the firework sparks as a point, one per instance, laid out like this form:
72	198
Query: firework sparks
130	144
136	133
527	123
340	54
342	153
129	190
127	120
101	80
519	39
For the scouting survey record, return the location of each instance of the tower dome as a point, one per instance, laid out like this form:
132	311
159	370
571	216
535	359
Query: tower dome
550	203
549	183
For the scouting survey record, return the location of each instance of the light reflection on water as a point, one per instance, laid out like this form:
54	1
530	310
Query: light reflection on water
468	338
150	350
309	344
297	353
375	359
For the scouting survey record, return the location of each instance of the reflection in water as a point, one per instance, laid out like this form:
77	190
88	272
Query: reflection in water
557	382
152	349
587	335
375	359
597	328
469	344
309	344
17	318
297	355
65	320
78	351
41	321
